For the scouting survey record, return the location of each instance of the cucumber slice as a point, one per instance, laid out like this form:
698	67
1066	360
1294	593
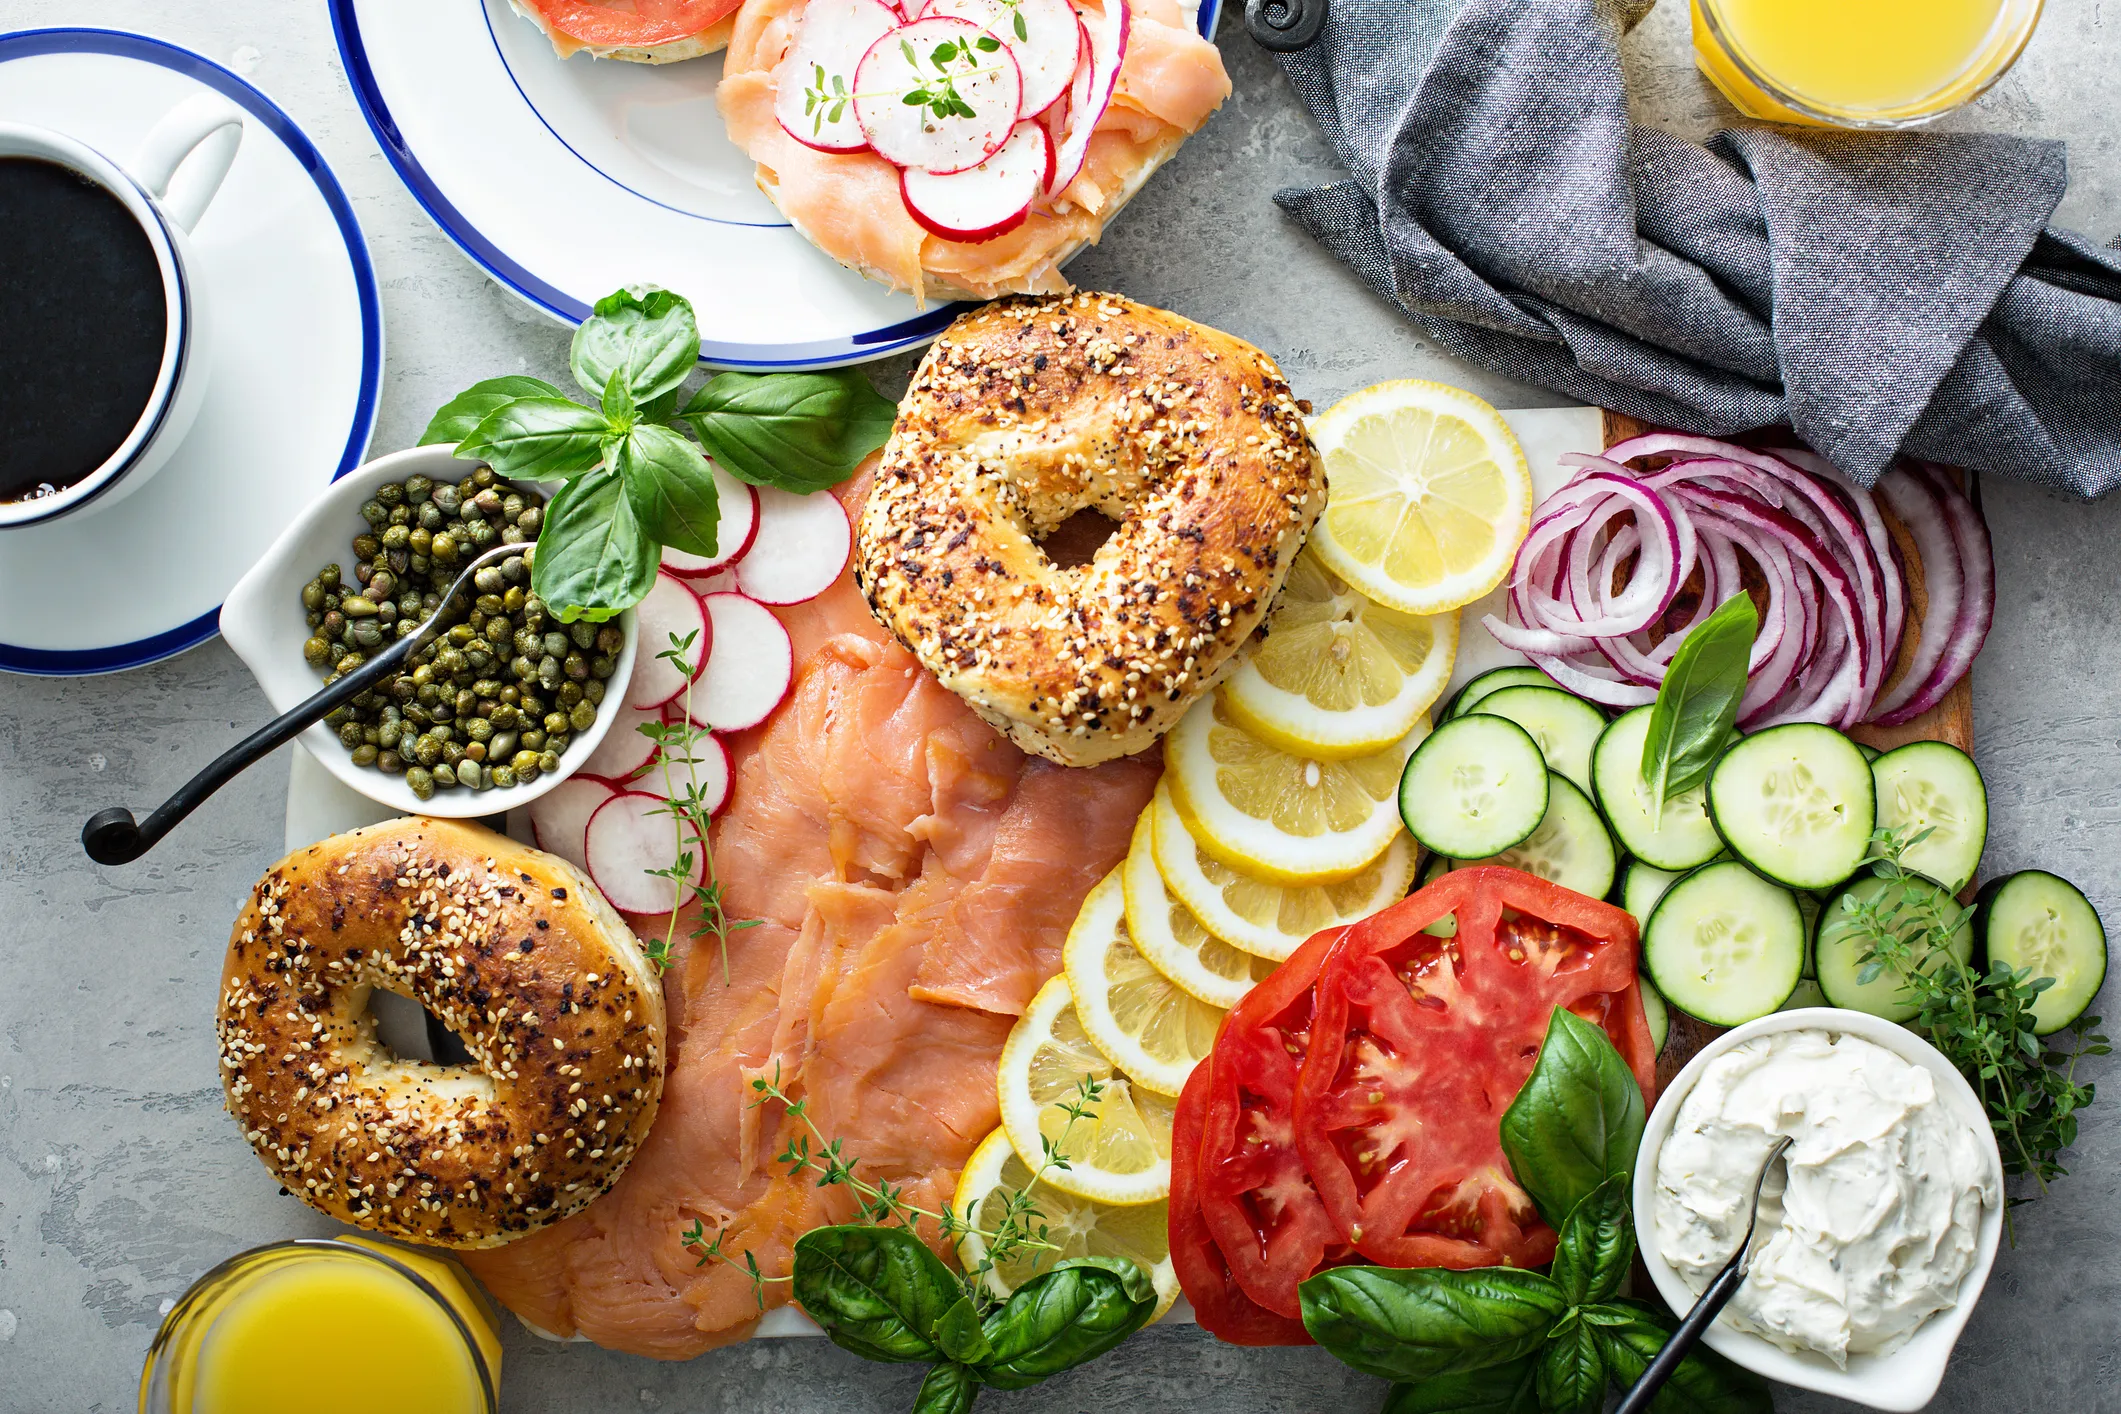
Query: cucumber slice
1656	1013
1570	846
2035	920
1796	803
1928	785
1838	952
1682	837
1474	787
1641	885
1724	944
1807	994
1566	727
1495	680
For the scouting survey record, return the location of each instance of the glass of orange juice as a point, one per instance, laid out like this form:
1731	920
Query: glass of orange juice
327	1326
1858	63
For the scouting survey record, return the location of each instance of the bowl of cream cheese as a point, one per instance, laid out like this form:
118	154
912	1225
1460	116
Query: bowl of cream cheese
1877	1232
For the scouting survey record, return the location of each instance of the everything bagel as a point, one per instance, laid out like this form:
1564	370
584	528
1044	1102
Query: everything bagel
1033	409
512	949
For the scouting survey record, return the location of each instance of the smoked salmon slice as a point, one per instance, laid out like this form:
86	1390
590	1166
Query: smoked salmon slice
913	876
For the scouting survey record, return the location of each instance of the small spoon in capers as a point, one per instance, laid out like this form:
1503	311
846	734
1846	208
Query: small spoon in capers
113	836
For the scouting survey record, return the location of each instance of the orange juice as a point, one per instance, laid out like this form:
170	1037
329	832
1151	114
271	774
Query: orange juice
345	1327
1863	63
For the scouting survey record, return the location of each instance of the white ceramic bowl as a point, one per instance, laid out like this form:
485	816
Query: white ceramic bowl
1907	1378
263	621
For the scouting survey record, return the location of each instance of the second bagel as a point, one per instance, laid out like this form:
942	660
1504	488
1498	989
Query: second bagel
1033	409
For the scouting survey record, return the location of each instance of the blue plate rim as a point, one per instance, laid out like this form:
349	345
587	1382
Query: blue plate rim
24	44
484	252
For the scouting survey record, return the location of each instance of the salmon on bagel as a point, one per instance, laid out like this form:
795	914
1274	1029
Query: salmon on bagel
1032	410
518	954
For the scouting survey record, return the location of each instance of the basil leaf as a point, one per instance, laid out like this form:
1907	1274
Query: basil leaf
538	439
949	1389
1597	1244
670	488
1572	1372
801	432
1698	704
1499	1389
877	1291
1629	1335
592	560
1576	1122
620	410
1417	1323
464	412
645	334
960	1335
1065	1317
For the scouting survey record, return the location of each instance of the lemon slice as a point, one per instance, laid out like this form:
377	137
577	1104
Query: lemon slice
1277	815
1139	1019
1176	943
1120	1152
1079	1227
1266	919
1339	674
1427	495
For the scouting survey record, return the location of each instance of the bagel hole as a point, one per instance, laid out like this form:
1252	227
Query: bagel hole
411	1032
1076	540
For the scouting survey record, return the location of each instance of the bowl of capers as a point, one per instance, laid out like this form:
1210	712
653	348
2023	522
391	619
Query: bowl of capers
499	708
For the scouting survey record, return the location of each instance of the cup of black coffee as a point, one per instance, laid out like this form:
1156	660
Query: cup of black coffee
104	325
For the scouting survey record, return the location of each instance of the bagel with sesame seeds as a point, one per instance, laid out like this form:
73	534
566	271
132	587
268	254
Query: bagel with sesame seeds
1033	409
518	954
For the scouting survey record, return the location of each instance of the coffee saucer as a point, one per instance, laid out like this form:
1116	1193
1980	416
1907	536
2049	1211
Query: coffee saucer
289	405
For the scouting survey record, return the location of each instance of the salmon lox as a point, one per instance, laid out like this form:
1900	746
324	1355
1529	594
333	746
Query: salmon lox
912	876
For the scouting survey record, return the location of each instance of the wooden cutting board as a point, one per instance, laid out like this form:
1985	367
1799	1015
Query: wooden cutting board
1951	720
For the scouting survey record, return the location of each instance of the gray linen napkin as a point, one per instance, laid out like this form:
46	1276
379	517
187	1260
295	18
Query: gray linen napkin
1880	293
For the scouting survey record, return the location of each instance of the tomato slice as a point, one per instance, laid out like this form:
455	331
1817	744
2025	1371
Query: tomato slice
632	23
1219	1303
1419	1043
1254	1194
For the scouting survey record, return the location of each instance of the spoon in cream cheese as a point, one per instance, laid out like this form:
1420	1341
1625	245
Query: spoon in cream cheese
1713	1299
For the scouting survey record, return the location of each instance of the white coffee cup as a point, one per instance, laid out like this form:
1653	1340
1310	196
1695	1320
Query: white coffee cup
166	187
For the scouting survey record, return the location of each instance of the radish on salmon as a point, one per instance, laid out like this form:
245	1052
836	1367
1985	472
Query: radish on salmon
738	507
939	94
1044	35
1092	88
750	676
802	547
559	819
669	615
629	835
988	200
814	84
709	766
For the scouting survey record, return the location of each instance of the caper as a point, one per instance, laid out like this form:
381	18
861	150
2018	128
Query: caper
600	667
467	702
368	633
471	773
530	521
365	755
389	735
445	775
502	745
583	717
365	547
450	661
391	493
443	732
334	624
510	535
461	634
569	694
593	690
386	613
483	477
348	663
511	696
328	577
443	548
312	596
488	579
313	619
430	518
548	672
390	763
400	515
316	652
502	778
555	644
525	766
523	667
488	604
335	716
533	705
512	599
503	715
480	533
363	572
479	729
549	761
446	498
396	538
512	505
474	751
421	782
575	666
358	606
375	513
382	585
417	487
533	739
427	750
350	733
487	502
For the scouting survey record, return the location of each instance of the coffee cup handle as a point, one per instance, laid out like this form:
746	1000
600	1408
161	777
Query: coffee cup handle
206	125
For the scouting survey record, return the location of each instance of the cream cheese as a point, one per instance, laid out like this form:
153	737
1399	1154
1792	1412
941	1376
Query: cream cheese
1875	1220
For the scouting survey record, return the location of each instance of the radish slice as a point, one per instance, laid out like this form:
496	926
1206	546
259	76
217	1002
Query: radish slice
1091	91
1045	36
985	201
739	507
628	835
559	819
801	549
670	612
624	752
814	82
722	581
711	766
749	677
917	59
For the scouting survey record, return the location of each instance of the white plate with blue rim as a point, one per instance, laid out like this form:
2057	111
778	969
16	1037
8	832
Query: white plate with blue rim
291	395
567	179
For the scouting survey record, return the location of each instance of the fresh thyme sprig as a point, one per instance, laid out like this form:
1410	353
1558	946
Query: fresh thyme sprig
1021	1228
954	61
1981	1021
690	817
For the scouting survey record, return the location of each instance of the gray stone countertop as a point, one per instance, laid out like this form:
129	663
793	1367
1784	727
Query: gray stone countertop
120	1177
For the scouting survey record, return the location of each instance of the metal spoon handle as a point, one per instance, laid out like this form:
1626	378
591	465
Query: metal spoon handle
1713	1299
113	836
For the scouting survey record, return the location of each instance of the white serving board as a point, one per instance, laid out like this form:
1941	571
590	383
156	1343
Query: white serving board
318	805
